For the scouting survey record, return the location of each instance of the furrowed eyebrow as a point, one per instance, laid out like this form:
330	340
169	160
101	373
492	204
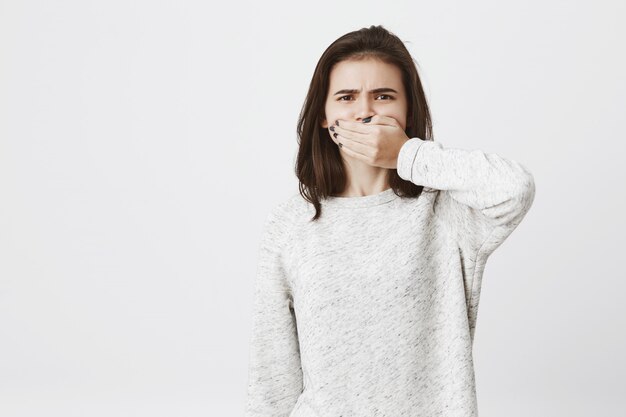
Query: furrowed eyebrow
374	91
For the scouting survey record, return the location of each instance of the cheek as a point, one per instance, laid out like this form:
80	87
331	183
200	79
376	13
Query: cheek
335	111
330	109
402	113
398	113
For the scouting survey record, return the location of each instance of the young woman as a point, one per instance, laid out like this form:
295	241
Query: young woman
369	278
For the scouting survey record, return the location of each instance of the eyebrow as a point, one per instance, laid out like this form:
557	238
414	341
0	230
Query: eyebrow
374	91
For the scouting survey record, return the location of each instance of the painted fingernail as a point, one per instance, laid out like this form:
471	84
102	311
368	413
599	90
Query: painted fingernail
332	128
337	122
367	119
335	134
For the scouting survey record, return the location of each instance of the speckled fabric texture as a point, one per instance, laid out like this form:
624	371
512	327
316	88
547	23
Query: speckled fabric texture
371	310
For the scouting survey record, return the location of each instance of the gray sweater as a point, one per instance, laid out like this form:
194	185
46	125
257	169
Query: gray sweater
371	310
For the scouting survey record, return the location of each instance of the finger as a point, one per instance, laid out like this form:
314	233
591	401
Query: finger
376	119
379	119
357	127
354	145
351	134
348	146
333	136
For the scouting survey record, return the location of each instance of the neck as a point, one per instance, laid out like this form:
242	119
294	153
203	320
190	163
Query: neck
363	179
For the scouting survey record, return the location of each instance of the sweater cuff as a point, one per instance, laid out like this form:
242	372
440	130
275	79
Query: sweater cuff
406	157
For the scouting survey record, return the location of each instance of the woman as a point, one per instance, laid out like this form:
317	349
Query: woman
368	281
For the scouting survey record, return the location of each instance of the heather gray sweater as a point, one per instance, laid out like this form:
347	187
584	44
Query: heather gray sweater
371	310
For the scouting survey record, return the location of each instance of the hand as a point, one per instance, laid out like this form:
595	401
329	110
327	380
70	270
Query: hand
376	143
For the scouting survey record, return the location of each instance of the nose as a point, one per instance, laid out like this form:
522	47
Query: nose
365	108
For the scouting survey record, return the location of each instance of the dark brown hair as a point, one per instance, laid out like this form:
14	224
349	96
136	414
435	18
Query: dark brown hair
319	166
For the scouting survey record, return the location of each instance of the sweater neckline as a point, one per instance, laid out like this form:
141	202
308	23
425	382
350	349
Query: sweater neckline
361	201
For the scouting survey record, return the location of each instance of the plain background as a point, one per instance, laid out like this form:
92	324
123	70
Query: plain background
143	143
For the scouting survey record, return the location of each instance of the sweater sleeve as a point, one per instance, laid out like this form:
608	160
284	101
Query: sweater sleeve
274	369
482	199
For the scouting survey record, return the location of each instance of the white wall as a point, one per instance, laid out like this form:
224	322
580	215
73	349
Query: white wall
142	144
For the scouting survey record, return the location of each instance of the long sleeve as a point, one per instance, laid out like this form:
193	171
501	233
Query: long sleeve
275	373
482	199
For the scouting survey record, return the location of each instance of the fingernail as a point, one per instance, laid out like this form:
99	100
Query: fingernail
332	128
337	122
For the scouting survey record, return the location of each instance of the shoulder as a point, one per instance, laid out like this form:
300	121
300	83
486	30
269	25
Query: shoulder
284	215
285	211
292	209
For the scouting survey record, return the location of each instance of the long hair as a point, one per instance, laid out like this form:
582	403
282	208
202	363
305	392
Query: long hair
319	166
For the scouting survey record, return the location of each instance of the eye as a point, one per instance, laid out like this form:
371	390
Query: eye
385	95
340	98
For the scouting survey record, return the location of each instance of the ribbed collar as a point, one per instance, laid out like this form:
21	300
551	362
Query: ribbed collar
361	201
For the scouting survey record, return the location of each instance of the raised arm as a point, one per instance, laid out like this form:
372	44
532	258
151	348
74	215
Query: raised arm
482	199
275	373
485	194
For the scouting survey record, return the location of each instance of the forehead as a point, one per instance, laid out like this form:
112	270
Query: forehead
366	72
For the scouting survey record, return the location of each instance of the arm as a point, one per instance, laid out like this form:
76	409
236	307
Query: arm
483	196
275	375
482	199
